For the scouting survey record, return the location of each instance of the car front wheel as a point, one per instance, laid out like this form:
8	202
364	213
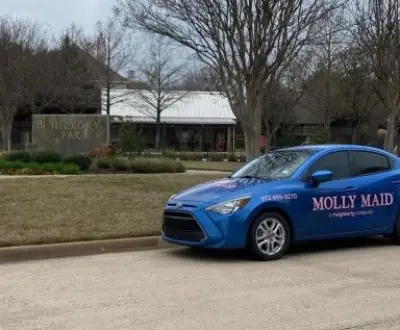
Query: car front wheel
269	236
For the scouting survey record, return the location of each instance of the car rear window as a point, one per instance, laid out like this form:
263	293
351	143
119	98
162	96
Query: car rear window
365	162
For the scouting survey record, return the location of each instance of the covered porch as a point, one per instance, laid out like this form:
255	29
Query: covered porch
200	122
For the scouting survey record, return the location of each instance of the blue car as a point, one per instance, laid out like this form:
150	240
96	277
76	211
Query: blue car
288	196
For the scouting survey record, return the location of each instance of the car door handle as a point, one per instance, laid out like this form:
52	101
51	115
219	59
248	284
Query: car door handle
396	181
350	189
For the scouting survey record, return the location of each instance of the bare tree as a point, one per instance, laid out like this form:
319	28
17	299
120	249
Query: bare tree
284	93
327	47
378	25
162	75
357	99
201	79
19	42
113	49
40	75
74	76
245	41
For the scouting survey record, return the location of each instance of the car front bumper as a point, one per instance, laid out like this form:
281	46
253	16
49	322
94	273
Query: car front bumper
192	226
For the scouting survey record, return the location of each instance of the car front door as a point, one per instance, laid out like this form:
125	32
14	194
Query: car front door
377	189
328	209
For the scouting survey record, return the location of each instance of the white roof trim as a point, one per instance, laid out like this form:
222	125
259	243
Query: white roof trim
175	120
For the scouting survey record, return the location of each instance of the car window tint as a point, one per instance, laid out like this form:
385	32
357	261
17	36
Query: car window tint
364	162
337	162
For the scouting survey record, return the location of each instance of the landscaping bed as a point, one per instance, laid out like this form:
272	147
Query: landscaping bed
212	166
54	209
50	163
216	156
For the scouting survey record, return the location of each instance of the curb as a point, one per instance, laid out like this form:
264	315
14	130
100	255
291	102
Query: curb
86	248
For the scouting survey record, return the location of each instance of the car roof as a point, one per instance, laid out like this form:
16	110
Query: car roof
332	147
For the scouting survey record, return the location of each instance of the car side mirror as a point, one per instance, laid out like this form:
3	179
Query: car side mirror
321	176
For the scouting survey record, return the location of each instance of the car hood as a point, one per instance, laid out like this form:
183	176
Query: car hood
223	189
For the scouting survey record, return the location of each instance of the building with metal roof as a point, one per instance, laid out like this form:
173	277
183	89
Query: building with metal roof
205	108
197	121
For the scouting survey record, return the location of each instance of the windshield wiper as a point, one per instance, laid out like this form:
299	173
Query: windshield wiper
250	177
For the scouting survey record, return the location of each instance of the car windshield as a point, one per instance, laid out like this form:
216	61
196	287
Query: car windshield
274	165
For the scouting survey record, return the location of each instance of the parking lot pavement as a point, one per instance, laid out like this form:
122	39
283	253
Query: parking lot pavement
340	286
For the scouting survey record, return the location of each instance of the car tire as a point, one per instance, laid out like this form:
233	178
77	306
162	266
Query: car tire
269	231
396	229
196	249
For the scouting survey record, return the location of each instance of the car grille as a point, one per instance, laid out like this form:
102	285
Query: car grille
182	226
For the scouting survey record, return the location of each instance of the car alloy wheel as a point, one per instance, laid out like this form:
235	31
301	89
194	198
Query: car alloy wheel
270	236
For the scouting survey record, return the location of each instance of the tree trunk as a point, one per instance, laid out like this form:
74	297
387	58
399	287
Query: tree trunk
6	135
108	101
354	134
268	142
158	130
270	133
252	141
327	132
390	132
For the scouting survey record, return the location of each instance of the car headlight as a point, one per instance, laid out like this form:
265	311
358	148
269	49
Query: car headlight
230	206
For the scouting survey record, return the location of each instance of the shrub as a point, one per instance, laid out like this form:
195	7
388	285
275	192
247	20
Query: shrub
104	162
156	165
46	157
82	161
51	168
216	157
8	164
68	169
232	157
120	164
170	155
32	168
117	164
20	155
130	141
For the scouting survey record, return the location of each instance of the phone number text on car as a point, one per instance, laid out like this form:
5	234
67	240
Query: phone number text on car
279	197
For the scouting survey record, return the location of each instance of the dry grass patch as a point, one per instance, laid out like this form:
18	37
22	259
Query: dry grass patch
48	210
212	166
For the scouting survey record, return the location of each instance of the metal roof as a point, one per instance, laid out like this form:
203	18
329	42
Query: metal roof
193	108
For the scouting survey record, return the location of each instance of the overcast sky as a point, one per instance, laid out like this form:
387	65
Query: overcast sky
59	14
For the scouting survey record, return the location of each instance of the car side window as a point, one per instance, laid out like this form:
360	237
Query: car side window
365	162
337	162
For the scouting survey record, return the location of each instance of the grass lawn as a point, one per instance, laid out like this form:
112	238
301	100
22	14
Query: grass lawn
212	166
48	210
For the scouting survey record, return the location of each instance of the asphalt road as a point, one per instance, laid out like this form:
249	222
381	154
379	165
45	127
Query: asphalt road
354	285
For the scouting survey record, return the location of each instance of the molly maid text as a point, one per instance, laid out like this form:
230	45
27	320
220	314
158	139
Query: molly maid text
345	202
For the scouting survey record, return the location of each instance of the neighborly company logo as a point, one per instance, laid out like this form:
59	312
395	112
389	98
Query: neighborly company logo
348	202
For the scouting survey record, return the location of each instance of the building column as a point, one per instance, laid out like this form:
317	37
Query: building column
233	138
228	139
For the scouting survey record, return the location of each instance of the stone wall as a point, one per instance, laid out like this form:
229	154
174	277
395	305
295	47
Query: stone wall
70	134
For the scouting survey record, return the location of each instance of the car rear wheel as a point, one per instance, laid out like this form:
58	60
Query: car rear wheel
269	236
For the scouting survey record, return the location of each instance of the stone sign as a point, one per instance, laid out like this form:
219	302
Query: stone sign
70	134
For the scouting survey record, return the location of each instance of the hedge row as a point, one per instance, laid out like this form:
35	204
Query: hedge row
18	167
210	156
46	157
141	165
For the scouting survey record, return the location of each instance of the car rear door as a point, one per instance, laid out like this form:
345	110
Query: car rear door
377	187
